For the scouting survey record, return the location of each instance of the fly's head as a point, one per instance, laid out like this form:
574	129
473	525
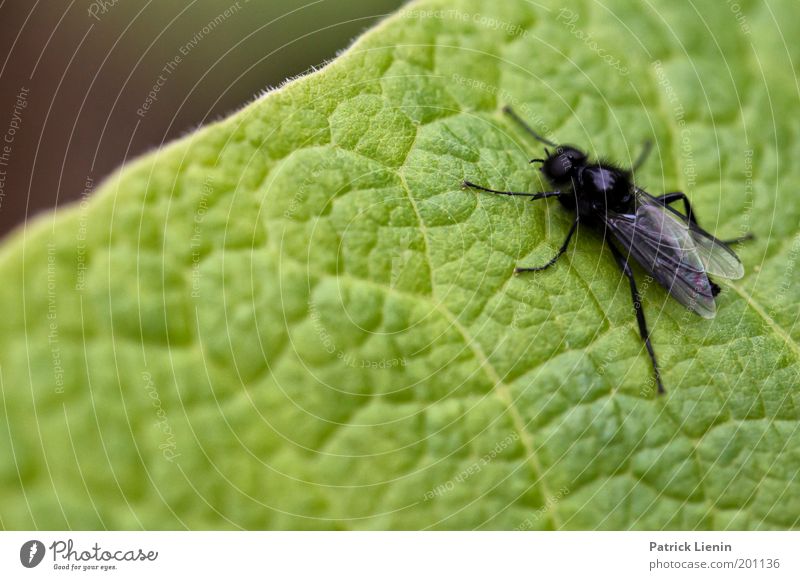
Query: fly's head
560	166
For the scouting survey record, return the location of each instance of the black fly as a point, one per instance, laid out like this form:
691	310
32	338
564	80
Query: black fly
671	246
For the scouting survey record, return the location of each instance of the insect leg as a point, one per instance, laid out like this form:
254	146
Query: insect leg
745	238
553	260
533	196
669	198
637	305
510	112
646	148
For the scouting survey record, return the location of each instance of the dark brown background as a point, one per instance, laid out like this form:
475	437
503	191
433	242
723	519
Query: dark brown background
87	78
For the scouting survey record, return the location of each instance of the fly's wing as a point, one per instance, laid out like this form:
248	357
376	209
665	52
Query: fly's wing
718	259
664	247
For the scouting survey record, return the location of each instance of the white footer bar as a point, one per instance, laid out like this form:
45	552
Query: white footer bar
401	555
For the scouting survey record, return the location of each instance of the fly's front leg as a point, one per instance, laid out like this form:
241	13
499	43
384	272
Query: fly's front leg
510	112
532	196
622	262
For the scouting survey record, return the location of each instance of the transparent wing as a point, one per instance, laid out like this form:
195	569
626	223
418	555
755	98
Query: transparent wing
718	259
664	247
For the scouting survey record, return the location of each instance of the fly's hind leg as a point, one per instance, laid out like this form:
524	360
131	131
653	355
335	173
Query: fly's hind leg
637	305
745	238
646	149
669	198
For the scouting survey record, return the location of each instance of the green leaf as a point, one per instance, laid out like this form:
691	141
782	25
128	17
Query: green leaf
295	318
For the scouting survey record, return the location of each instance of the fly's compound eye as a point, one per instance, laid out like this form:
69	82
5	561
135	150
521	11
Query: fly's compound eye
559	165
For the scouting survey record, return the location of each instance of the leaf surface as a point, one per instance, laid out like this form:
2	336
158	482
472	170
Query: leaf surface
295	318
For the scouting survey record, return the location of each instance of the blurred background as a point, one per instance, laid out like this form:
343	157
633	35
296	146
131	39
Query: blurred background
85	85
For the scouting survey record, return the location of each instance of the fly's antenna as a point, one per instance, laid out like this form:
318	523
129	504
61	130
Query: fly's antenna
510	112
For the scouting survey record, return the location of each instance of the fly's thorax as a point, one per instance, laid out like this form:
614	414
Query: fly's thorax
605	187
